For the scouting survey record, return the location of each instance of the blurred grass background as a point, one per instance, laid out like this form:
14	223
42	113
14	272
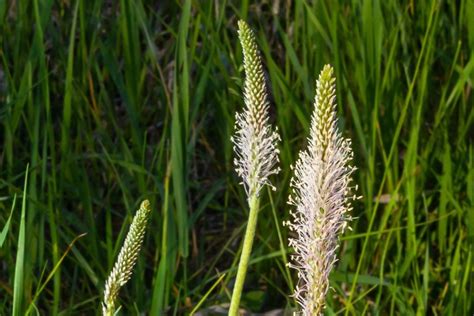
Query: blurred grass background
110	102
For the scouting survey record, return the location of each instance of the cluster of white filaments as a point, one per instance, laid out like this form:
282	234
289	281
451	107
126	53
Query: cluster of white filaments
127	258
255	142
321	195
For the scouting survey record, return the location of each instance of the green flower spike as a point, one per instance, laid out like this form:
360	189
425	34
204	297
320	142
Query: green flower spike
127	258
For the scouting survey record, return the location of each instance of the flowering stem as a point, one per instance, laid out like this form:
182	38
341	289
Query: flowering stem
254	202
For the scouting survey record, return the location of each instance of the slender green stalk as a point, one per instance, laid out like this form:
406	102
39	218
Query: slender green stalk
245	256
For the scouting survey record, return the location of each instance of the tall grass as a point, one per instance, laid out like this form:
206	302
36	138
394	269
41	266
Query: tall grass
110	102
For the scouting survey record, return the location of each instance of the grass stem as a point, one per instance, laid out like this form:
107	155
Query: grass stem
254	202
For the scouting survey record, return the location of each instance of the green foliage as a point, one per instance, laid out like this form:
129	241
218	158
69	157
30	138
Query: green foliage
113	101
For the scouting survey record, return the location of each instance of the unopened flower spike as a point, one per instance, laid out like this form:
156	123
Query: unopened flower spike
127	258
321	194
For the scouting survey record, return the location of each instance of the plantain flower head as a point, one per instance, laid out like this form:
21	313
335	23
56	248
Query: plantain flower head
127	258
321	194
255	142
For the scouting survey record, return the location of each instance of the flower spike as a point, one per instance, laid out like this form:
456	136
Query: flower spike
123	268
255	146
321	196
255	142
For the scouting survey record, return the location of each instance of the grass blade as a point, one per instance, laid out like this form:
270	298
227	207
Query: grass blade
5	229
19	279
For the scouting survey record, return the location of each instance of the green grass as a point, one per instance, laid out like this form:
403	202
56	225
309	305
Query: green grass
113	102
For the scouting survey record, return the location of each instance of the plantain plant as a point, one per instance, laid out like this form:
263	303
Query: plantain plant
255	146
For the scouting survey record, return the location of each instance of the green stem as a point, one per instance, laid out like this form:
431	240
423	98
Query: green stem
245	255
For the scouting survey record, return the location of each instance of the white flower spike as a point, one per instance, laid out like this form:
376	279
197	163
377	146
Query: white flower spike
321	196
255	142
